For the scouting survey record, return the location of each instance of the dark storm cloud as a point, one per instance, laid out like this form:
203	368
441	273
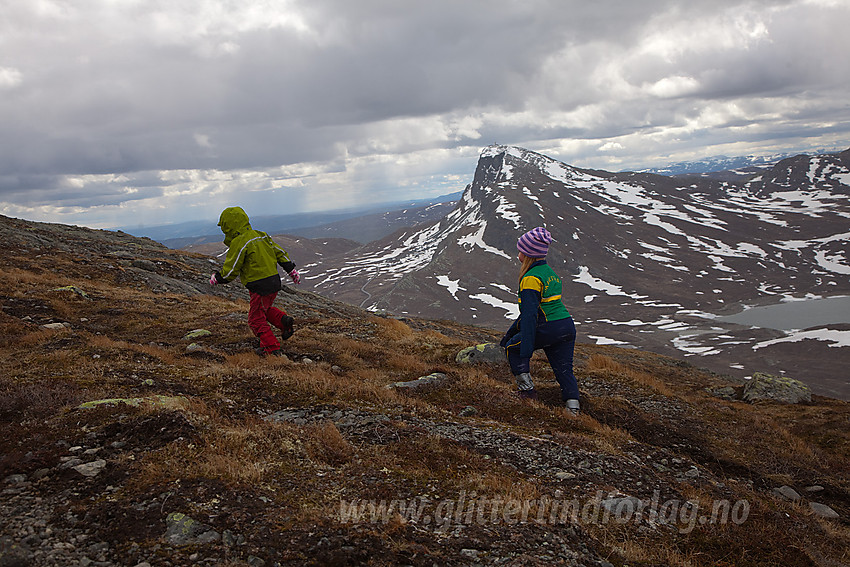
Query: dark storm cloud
318	96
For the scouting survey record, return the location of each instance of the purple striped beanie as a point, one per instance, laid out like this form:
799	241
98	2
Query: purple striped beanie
535	242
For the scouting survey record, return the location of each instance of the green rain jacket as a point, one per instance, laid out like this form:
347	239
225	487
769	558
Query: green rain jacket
252	255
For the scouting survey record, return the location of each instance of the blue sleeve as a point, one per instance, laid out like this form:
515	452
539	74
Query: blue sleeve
528	306
512	330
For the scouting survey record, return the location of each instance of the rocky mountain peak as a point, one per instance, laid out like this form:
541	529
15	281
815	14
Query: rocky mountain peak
648	261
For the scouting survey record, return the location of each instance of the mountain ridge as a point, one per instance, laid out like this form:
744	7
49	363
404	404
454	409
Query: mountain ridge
662	254
140	427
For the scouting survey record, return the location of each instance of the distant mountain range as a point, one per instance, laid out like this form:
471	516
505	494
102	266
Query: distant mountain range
648	261
722	167
372	222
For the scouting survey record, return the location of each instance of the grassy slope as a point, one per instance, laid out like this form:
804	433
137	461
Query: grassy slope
279	484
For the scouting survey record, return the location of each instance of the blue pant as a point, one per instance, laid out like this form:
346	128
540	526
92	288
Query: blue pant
558	341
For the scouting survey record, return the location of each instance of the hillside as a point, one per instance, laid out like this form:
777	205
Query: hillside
648	261
129	441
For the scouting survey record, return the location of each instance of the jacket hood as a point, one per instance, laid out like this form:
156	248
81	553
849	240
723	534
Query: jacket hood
233	221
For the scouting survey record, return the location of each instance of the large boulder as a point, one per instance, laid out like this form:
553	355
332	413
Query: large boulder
488	352
766	387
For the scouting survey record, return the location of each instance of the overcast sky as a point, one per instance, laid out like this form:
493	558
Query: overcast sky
147	112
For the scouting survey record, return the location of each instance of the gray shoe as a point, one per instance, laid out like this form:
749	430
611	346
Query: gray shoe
573	407
524	381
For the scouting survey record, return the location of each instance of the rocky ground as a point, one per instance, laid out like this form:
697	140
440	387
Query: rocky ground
141	429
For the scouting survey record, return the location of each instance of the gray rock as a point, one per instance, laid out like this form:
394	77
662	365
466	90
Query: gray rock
71	463
56	326
766	387
146	265
208	537
91	469
40	474
621	505
468	411
490	353
16	478
434	379
726	393
814	488
787	493
182	529
823	510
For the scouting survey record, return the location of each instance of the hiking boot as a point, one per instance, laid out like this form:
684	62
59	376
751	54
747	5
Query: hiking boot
524	381
287	327
573	407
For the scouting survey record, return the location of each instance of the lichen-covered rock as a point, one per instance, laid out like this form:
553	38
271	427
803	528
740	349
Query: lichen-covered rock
486	352
196	334
766	387
165	402
184	530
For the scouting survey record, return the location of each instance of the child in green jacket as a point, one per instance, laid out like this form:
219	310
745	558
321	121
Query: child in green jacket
254	256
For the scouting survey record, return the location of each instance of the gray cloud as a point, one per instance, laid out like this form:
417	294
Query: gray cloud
317	102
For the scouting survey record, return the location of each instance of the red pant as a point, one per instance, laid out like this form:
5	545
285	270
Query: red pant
260	314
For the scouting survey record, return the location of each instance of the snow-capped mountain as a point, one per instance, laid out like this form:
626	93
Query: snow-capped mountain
647	260
713	165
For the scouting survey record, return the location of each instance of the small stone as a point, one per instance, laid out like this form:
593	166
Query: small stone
71	463
40	474
468	411
91	469
194	347
814	488
564	475
196	334
692	472
306	360
56	326
16	479
787	493
823	510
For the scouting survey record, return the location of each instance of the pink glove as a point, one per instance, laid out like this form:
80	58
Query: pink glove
213	281
296	277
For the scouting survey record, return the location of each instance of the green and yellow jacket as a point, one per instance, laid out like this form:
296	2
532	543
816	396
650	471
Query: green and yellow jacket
252	255
539	303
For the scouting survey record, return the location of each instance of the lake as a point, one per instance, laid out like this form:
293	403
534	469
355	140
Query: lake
795	314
